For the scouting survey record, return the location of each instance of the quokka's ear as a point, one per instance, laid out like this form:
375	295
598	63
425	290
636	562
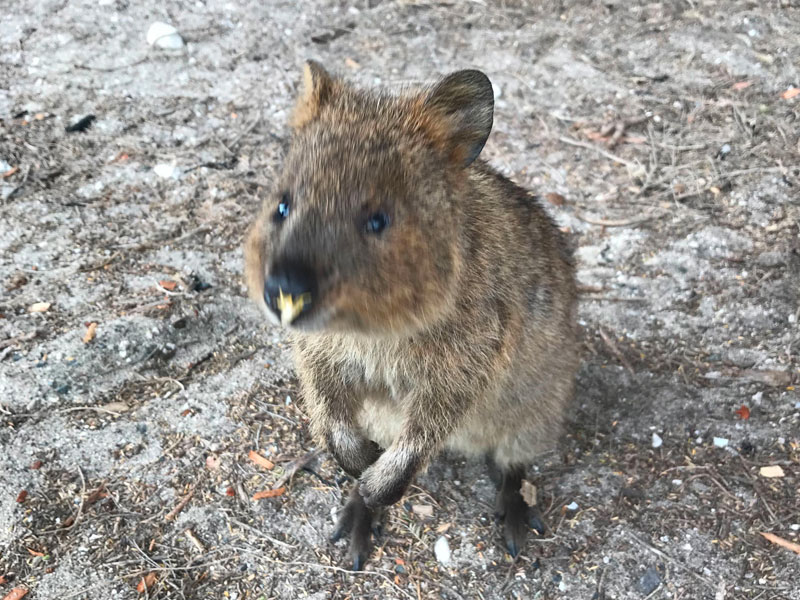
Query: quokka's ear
463	103
316	91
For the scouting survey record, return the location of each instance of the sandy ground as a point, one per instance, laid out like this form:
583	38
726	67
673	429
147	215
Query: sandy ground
660	135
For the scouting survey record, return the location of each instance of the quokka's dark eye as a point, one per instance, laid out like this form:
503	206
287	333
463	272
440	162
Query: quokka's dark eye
284	207
377	222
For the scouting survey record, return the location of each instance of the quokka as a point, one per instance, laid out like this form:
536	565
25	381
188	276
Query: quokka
430	301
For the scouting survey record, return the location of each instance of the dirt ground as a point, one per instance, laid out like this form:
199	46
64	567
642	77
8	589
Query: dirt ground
663	136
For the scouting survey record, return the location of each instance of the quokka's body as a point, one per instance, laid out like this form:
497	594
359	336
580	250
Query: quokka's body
431	300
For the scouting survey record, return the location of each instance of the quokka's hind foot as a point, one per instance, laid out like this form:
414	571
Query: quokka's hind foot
359	522
510	508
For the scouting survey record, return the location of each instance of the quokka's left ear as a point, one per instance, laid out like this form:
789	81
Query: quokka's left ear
463	106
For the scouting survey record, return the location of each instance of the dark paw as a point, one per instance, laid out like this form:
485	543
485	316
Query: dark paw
515	528
535	522
357	522
516	518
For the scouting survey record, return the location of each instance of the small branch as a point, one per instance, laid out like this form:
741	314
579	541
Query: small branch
294	466
195	540
181	505
613	347
618	222
599	150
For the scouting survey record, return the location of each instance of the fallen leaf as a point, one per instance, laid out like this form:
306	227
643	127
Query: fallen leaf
781	542
269	493
146	582
771	471
528	492
39	307
186	412
399	561
743	412
554	199
15	594
741	85
230	492
423	510
443	527
90	333
168	284
35	553
260	460
3	580
11	171
21	496
790	93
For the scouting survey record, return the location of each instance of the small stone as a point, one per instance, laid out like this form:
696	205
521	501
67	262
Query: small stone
164	35
648	582
4	166
795	526
167	171
771	471
720	442
442	551
572	505
657	441
725	150
422	510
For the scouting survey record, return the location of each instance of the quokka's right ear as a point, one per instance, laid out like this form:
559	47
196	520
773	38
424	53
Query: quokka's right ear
316	91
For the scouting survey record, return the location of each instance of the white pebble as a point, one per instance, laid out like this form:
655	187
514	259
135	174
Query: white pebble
572	505
720	442
4	166
167	171
795	526
657	441
164	35
677	481
442	550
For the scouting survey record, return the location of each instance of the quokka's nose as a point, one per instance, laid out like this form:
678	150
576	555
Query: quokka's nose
290	290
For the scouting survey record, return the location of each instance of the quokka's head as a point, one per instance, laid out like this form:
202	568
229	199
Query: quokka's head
364	230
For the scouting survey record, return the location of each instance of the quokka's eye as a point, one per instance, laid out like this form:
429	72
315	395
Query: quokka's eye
377	222
284	208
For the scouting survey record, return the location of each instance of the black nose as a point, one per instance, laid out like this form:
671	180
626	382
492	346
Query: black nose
290	290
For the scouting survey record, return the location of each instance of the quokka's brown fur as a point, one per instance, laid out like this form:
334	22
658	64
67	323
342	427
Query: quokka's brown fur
453	326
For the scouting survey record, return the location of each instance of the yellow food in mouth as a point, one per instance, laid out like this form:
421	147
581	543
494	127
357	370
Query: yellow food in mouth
291	307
